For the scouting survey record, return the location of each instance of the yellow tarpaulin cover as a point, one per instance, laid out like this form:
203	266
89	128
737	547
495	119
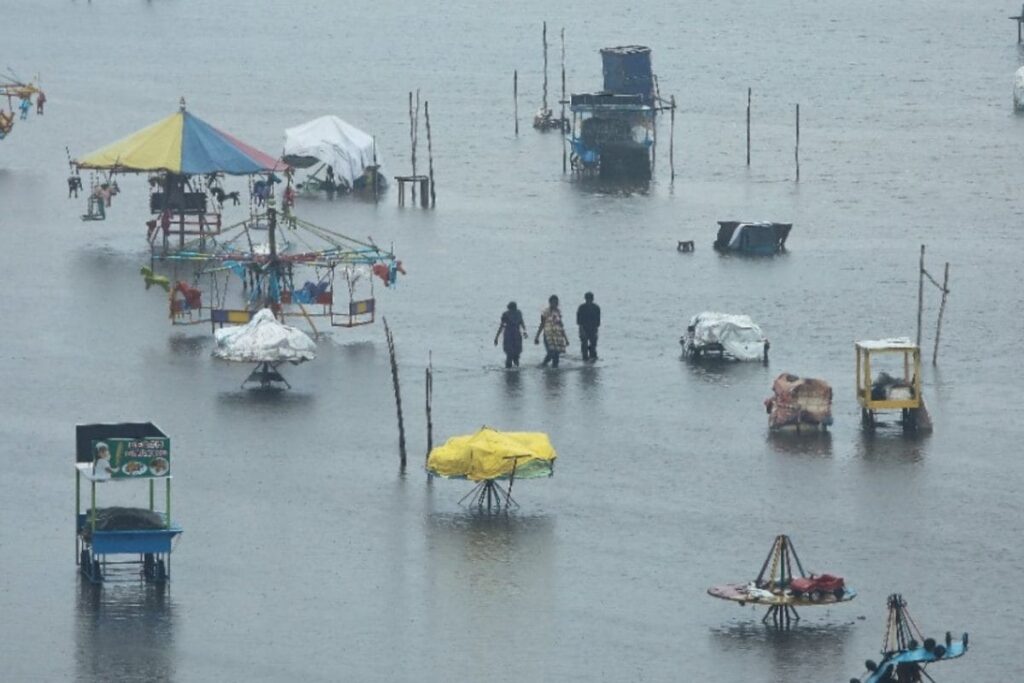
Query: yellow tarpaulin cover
490	454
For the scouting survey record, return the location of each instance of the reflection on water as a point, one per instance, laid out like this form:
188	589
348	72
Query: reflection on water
589	381
615	188
814	443
124	632
554	381
513	383
264	401
891	445
182	345
726	372
794	653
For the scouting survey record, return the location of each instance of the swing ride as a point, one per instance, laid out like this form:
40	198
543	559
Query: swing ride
19	94
782	591
905	652
277	261
488	456
186	158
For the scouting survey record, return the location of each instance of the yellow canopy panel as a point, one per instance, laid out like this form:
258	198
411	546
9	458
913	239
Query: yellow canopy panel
490	454
155	147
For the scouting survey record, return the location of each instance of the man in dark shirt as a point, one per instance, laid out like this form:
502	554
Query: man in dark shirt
588	317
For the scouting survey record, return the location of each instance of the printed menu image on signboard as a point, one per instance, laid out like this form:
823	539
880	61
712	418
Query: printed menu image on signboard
125	458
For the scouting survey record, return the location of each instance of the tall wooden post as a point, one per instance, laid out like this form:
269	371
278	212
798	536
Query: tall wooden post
515	98
942	309
672	140
430	154
544	38
398	393
920	295
748	126
414	125
796	150
561	118
429	404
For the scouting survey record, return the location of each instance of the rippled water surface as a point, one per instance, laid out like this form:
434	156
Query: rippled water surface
308	556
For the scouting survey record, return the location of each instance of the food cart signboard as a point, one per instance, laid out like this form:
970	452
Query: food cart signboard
132	458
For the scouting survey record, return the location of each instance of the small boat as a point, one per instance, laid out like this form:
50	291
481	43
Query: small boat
757	239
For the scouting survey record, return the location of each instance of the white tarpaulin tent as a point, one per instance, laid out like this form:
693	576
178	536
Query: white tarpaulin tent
328	139
739	336
264	340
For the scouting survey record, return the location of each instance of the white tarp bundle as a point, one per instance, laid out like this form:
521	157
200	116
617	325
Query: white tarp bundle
340	145
739	336
264	340
1018	90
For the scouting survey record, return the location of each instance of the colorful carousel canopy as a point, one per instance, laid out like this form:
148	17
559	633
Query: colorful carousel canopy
490	454
184	144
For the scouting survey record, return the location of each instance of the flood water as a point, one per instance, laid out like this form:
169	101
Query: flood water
307	555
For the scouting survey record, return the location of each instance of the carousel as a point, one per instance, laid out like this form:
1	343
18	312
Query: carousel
186	160
18	95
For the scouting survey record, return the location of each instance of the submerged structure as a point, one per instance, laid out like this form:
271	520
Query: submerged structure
755	239
897	387
339	157
782	585
799	404
124	455
906	652
612	133
724	336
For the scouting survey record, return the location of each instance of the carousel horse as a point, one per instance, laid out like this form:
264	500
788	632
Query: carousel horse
192	295
220	195
158	280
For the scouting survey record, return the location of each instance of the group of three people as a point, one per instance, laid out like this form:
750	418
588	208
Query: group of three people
512	331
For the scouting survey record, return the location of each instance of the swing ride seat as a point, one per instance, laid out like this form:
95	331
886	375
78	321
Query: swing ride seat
219	317
359	313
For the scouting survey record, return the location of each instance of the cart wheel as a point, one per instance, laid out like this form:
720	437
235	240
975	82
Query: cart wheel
816	596
910	419
867	418
97	573
83	559
797	594
839	593
161	571
148	565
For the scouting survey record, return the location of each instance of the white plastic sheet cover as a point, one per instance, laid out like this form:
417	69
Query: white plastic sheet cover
1018	90
739	336
264	340
336	143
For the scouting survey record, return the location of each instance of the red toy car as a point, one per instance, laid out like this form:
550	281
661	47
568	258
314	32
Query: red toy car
816	586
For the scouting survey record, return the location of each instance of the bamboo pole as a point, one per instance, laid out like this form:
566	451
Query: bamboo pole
942	309
561	118
430	153
515	98
429	403
796	150
920	295
398	393
544	38
672	140
748	126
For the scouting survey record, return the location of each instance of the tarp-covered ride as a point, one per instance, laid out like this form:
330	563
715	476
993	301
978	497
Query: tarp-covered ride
724	335
490	455
799	403
266	342
343	158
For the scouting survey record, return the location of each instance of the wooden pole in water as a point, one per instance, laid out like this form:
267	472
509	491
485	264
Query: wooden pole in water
561	118
429	403
515	98
748	126
920	295
430	153
544	38
672	140
398	393
796	150
942	309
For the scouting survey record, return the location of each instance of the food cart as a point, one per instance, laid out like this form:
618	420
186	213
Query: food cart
122	456
885	391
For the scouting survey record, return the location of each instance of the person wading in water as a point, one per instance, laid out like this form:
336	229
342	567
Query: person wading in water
555	341
515	331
